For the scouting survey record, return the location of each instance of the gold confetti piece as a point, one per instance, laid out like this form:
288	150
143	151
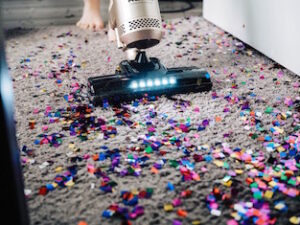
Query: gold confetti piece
279	130
218	163
272	183
238	171
276	174
235	215
69	183
268	194
283	116
279	206
280	149
227	184
295	220
135	192
58	169
168	207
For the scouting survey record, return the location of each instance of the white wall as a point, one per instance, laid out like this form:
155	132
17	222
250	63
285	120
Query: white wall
270	26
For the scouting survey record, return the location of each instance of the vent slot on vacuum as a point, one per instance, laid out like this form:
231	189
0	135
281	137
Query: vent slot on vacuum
139	24
143	23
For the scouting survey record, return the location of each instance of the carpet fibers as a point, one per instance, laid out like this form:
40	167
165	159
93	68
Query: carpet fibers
229	156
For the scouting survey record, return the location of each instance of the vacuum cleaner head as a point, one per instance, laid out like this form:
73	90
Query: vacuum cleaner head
133	79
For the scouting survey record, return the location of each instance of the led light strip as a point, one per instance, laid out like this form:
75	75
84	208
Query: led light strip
150	83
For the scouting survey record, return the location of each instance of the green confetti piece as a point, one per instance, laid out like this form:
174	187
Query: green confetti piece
269	110
277	169
292	182
148	149
257	195
149	190
226	165
226	178
82	138
254	136
130	170
283	177
112	183
173	163
130	156
172	139
254	185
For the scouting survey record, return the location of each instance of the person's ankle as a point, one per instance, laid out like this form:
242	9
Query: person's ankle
92	4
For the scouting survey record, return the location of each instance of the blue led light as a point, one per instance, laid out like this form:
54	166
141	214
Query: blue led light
134	85
172	80
149	83
142	84
157	82
164	81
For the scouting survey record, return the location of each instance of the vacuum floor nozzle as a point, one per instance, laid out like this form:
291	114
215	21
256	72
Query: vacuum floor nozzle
133	79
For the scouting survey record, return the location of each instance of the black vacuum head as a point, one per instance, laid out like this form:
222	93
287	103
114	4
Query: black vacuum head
133	79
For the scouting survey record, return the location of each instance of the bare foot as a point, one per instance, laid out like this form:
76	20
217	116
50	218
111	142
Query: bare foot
91	18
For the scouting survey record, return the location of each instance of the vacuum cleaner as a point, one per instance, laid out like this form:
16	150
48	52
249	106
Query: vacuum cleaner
137	25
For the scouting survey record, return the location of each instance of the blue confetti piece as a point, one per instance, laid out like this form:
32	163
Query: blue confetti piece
102	156
200	128
268	138
107	213
50	187
135	103
254	219
66	97
132	201
119	122
282	154
208	158
170	186
293	152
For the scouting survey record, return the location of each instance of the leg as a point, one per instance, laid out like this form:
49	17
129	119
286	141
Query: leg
111	34
91	18
111	22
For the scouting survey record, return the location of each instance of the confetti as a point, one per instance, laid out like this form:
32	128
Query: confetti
232	153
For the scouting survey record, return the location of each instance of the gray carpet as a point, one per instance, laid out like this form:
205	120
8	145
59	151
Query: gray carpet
237	129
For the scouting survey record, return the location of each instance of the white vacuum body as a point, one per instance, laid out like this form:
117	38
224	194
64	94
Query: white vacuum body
137	23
